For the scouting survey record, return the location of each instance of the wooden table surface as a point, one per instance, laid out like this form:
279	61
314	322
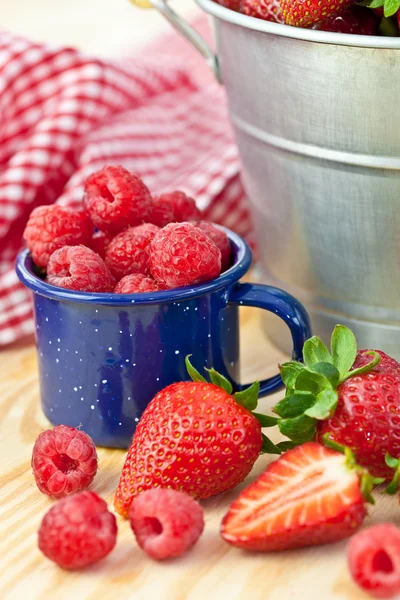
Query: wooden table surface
212	570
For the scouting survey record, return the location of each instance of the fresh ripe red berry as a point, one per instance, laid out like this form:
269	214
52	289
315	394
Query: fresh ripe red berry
128	252
268	10
181	254
78	531
357	20
161	212
309	496
100	242
79	268
136	284
220	238
64	461
166	523
192	437
304	14
184	208
115	199
373	556
51	227
366	418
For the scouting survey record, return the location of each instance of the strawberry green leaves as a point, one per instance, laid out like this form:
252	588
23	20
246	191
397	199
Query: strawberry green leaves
324	406
315	351
248	397
221	381
193	373
299	429
343	348
311	388
390	7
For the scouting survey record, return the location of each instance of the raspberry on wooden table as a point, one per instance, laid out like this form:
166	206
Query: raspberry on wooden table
221	240
115	199
64	461
184	208
374	560
51	227
128	252
78	531
79	268
182	254
136	284
166	523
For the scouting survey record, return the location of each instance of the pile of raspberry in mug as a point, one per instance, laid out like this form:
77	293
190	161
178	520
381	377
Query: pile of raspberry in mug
125	241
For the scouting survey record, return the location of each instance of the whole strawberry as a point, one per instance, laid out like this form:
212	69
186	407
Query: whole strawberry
193	437
304	14
353	396
367	415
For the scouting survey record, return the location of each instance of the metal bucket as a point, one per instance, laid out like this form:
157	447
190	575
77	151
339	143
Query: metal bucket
317	122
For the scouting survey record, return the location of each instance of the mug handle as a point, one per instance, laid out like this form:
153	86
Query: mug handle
286	307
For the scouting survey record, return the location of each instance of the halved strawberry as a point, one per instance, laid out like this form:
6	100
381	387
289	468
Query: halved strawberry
311	495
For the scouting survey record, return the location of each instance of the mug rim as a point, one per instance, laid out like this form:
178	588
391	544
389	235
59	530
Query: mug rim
232	275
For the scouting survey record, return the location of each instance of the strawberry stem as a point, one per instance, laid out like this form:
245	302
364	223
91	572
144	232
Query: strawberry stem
393	463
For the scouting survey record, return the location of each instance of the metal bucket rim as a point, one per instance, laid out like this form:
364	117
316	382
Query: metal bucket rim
306	35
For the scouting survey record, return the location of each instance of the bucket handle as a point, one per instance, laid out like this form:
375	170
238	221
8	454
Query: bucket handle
192	36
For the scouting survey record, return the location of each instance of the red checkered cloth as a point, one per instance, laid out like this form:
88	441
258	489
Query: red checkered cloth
65	114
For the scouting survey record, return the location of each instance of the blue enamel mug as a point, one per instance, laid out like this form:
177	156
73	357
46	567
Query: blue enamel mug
103	357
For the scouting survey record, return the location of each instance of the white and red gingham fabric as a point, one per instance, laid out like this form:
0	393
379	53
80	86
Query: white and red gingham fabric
64	115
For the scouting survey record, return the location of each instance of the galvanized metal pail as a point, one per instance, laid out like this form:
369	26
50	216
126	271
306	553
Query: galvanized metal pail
317	121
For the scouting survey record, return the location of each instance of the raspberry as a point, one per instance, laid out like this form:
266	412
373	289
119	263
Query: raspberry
374	560
161	212
165	522
136	284
78	531
128	251
115	199
52	227
182	254
64	461
79	268
184	208
99	242
220	238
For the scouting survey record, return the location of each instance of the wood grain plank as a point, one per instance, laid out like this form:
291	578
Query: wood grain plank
212	570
